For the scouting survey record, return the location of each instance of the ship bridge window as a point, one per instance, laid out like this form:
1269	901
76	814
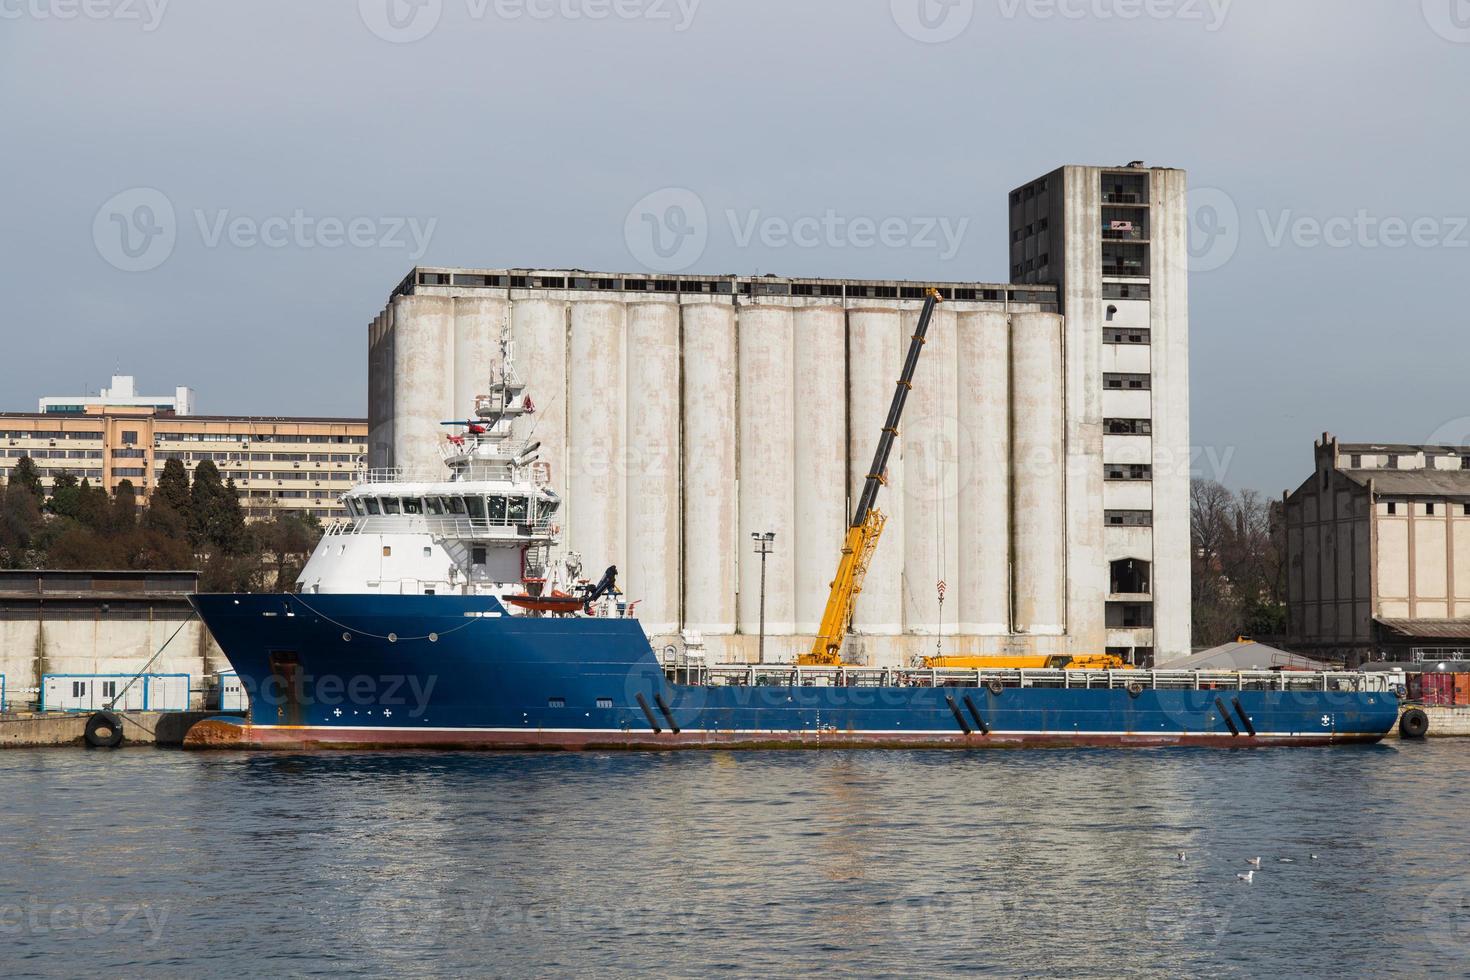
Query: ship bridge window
497	510
545	508
476	507
455	505
390	505
372	505
413	505
435	505
516	510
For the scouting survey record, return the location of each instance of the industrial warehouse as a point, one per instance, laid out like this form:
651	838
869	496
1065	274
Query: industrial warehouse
1038	501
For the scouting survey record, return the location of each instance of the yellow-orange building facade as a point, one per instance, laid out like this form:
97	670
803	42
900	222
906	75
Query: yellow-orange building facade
278	464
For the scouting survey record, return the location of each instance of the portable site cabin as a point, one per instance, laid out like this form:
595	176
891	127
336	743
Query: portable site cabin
231	692
92	692
2	693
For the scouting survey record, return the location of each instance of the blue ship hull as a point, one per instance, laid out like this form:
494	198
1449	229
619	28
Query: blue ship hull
358	671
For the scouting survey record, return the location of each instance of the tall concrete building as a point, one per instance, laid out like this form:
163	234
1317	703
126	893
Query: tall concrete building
1378	552
1115	240
679	414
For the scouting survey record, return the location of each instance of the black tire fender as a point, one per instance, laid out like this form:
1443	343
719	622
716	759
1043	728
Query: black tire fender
1414	723
104	730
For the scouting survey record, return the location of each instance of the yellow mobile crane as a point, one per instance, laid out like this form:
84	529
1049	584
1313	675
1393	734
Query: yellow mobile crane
867	526
867	521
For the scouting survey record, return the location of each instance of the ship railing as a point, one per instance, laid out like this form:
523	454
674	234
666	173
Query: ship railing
787	675
471	470
470	528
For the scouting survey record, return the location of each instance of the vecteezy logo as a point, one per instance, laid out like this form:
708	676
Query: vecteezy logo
932	21
135	230
1446	916
1454	432
667	230
400	21
1450	19
1214	229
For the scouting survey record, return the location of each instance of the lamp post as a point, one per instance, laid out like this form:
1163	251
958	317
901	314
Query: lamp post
762	540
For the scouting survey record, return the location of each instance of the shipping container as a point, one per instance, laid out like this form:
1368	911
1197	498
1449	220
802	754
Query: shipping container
1462	689
1439	689
92	692
231	692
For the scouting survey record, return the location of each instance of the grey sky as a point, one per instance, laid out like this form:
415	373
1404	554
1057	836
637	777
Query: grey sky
510	137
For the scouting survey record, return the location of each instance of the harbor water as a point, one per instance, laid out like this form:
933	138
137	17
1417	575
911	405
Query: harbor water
880	863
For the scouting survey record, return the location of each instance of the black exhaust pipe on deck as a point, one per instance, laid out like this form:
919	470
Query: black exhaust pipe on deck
975	713
658	699
1245	718
1229	723
648	713
957	716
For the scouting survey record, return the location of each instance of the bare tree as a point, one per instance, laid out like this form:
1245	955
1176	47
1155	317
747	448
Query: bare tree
1236	563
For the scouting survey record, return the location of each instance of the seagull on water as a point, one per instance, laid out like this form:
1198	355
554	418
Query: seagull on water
1253	862
1286	860
1248	877
1314	857
1182	857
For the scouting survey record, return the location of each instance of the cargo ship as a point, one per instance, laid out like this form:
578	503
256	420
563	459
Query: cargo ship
444	614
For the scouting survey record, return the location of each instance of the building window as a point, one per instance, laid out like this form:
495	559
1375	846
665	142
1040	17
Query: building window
1393	508
1429	509
1128	576
1127	471
1114	335
1393	461
1355	462
78	689
1128	427
109	689
1126	382
1129	518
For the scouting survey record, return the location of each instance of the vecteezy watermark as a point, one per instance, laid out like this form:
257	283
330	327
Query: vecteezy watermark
36	916
1363	229
1447	917
1210	13
932	21
831	230
668	230
406	21
361	695
147	13
137	230
1216	228
1450	19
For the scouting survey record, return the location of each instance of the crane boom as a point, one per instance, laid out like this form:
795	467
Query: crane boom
867	521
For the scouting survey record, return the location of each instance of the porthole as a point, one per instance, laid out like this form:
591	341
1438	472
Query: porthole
392	637
433	637
346	637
